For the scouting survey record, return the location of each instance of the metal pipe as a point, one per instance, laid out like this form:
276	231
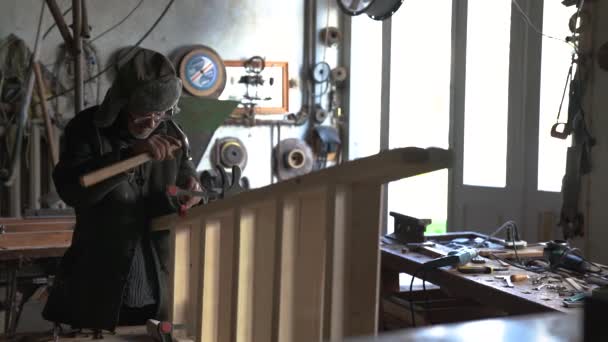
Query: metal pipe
34	200
77	53
310	39
61	25
86	30
45	114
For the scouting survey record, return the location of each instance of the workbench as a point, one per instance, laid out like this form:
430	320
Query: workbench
26	242
485	289
545	327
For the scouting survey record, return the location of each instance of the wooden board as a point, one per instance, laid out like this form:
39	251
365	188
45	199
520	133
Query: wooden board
16	225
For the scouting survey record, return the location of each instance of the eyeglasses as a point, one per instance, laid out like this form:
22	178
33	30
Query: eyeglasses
156	116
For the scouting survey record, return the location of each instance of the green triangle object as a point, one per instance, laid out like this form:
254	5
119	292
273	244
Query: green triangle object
199	118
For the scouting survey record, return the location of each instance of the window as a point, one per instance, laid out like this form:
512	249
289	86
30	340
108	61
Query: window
556	56
487	93
365	86
420	104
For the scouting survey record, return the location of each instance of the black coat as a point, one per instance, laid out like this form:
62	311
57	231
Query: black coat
110	217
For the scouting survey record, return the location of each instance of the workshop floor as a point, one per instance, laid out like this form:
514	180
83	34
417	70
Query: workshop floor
136	334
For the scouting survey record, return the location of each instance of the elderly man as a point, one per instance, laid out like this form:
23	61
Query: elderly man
114	272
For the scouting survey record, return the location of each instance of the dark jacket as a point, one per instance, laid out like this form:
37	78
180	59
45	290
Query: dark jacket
110	218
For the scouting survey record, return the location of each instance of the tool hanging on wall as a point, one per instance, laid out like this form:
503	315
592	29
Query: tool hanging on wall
292	158
330	36
339	74
375	9
229	152
320	114
326	144
203	72
578	162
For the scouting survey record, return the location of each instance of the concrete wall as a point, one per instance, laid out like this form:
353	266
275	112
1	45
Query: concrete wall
236	29
596	241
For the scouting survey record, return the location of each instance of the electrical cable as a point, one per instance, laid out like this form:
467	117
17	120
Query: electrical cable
162	15
118	23
568	79
529	22
46	33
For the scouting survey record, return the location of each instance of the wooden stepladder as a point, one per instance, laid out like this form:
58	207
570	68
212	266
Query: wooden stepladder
293	261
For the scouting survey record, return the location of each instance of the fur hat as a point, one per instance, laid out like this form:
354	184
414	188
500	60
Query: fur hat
145	83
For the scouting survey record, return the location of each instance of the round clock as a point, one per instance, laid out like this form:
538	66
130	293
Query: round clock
203	72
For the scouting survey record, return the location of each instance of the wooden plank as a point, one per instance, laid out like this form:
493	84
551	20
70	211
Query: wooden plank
16	241
363	260
258	231
210	265
381	168
277	262
14	225
218	279
244	317
334	289
179	276
227	277
263	281
290	218
530	252
310	267
195	277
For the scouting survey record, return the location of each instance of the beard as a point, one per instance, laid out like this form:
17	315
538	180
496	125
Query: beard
143	134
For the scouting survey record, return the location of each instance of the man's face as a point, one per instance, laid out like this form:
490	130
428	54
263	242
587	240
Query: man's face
141	125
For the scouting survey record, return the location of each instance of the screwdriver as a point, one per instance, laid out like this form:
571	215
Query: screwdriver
480	269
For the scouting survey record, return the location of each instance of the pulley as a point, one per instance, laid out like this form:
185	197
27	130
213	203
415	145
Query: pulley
230	151
320	114
292	158
321	72
338	74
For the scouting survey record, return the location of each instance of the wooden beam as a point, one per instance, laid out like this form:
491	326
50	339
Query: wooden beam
61	25
45	114
378	169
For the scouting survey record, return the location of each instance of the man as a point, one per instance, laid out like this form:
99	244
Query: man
114	272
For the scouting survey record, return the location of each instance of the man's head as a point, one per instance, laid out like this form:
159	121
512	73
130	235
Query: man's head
145	89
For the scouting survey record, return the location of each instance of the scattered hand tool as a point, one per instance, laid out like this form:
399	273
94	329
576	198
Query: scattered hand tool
480	269
159	330
507	279
175	191
229	188
519	277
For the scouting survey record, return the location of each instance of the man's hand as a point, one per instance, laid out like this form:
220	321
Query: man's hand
160	147
193	185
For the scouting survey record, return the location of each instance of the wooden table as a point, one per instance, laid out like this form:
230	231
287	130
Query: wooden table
482	288
546	327
25	241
